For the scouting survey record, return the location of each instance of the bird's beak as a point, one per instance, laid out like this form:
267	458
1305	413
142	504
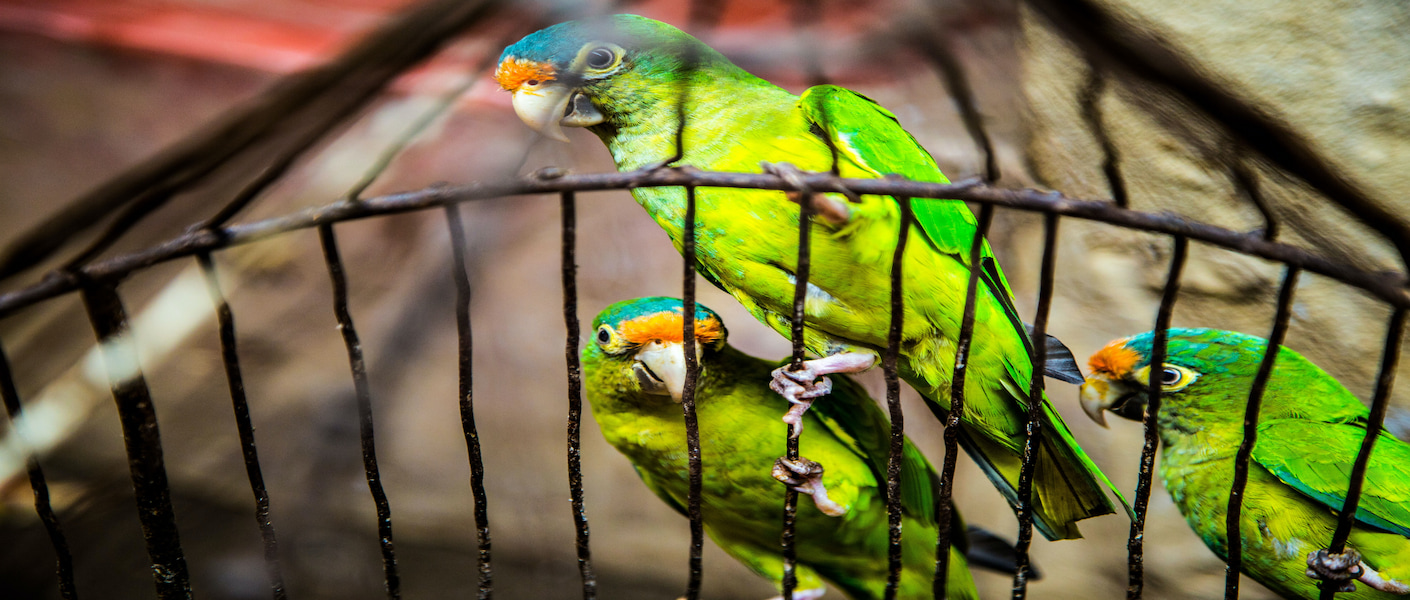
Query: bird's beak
548	107
1101	393
660	369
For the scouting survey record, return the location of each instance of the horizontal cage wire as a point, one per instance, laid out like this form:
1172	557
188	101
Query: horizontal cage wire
1110	49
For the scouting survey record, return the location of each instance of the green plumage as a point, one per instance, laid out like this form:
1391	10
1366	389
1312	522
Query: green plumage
1310	429
747	239
741	436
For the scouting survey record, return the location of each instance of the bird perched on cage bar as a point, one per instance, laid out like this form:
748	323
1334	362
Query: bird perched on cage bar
628	79
634	375
1310	428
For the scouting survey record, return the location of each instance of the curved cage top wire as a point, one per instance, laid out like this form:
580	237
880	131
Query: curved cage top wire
1107	44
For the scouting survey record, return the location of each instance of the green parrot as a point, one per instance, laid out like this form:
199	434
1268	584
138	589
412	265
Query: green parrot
624	78
634	376
1309	431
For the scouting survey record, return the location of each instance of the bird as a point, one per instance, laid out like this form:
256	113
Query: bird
634	82
634	377
1310	429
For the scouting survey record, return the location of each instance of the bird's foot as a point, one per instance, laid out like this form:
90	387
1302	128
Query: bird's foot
834	211
1338	570
1374	579
812	594
803	385
805	476
799	388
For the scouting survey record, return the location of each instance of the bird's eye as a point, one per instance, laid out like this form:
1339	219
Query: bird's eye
1170	376
531	82
600	58
604	335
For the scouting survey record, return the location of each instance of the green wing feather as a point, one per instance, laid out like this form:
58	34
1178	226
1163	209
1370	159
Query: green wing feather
1282	448
853	418
866	134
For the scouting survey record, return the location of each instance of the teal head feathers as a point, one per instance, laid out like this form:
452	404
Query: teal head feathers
599	73
648	333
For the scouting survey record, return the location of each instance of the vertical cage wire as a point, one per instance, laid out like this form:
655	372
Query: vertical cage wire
893	402
692	424
235	380
1036	400
568	203
1232	524
141	438
1380	401
1090	99
944	539
800	295
466	369
10	395
1135	549
361	387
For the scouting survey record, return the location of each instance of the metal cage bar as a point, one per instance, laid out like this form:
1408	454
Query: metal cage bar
465	366
893	402
1380	400
568	204
1135	544
142	439
10	395
1036	399
1234	538
800	295
952	420
694	457
239	403
337	276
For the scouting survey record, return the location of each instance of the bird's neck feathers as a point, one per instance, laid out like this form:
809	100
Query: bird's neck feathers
717	99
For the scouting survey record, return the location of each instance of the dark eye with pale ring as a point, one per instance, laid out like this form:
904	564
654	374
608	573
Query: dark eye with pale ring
600	58
603	336
1170	376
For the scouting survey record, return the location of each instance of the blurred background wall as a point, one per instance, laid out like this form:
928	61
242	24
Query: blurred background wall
88	89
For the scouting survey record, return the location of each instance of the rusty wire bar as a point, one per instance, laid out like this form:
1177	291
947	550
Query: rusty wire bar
64	567
800	295
466	378
952	74
575	392
893	403
1380	400
382	54
1104	35
142	439
1246	181
1135	549
1090	100
692	424
1035	408
364	408
1388	287
239	403
952	420
1234	538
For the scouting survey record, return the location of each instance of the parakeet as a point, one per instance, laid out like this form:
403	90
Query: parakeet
626	79
634	373
1309	431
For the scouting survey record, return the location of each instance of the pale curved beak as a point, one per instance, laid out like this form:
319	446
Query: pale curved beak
1100	393
1094	398
660	369
548	107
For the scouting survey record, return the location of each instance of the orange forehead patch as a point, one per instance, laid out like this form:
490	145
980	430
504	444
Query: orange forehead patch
667	327
515	72
1114	359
